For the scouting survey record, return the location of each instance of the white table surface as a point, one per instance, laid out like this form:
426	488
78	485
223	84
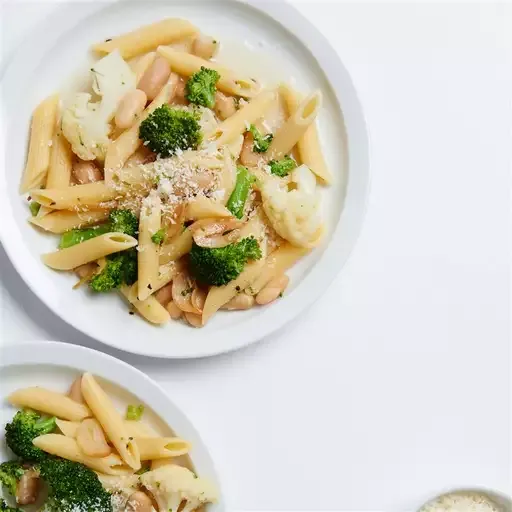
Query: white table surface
397	382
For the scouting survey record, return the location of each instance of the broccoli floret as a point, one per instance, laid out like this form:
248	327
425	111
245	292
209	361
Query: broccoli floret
124	221
73	486
24	427
201	87
120	221
5	508
10	473
168	129
221	265
158	237
121	268
282	167
261	142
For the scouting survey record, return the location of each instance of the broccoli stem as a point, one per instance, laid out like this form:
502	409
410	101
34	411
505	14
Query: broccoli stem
238	197
77	236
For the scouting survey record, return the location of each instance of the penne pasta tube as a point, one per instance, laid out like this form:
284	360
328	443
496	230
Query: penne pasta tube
41	134
90	194
128	142
110	420
133	428
187	64
113	483
49	402
90	250
283	258
67	448
289	134
308	146
147	38
148	253
239	122
142	65
150	309
219	295
176	248
61	162
161	447
204	208
60	221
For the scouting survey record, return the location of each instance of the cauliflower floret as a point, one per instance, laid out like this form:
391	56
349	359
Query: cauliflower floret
86	125
171	484
294	214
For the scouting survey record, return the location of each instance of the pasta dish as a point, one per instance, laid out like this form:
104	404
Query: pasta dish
76	453
178	182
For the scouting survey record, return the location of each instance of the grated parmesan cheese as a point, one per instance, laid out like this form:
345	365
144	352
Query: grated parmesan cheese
462	502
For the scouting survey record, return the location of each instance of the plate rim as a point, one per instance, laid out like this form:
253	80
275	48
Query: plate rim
329	265
122	374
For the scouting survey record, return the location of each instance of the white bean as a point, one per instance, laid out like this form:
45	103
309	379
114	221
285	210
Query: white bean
129	108
155	78
240	302
205	46
272	290
193	319
179	93
27	488
86	172
75	391
139	502
164	295
174	310
247	155
225	106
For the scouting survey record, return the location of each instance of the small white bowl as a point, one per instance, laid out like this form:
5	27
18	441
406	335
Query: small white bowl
499	498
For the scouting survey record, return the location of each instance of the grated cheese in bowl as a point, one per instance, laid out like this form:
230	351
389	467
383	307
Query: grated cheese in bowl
463	501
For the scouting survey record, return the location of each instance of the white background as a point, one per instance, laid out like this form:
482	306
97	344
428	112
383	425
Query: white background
396	384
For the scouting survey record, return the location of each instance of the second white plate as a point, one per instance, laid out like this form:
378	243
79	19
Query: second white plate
55	365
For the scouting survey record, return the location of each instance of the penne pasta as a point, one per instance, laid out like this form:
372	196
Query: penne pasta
67	448
110	420
90	250
133	428
41	134
60	221
147	38
289	134
161	447
308	146
204	208
90	194
187	64
147	255
239	122
177	247
128	142
150	309
61	162
49	402
283	258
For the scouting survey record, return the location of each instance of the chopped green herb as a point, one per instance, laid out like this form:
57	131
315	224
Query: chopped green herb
158	237
34	208
134	413
261	142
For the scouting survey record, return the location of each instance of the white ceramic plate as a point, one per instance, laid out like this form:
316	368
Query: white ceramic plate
55	366
268	38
